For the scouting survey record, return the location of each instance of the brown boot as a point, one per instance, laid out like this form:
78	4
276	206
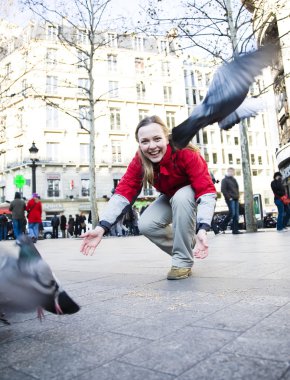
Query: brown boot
177	273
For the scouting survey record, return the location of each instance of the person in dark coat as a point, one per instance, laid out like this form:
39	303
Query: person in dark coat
63	225
230	190
3	226
17	206
71	226
283	209
55	225
82	221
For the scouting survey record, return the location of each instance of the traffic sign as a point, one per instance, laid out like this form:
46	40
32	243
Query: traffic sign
19	181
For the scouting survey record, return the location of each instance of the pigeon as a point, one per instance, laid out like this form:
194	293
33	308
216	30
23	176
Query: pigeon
250	107
27	283
226	93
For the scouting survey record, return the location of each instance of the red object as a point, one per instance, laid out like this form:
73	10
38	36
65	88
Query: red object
34	210
72	185
285	200
175	170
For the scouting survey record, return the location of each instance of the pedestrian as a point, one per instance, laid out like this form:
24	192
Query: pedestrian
34	212
280	195
135	221
230	190
181	214
17	207
82	221
63	225
55	225
3	226
71	226
77	225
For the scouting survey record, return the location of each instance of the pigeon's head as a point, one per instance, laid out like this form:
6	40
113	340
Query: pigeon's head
28	250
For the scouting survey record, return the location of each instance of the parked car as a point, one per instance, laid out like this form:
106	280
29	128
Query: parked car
47	230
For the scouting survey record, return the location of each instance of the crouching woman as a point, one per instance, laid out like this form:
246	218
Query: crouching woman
177	221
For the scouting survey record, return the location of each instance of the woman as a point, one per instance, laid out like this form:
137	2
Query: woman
34	212
182	178
283	209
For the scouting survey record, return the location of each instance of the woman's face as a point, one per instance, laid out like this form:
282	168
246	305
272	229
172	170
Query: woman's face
152	142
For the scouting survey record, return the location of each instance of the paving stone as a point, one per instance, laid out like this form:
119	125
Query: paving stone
178	352
122	371
220	366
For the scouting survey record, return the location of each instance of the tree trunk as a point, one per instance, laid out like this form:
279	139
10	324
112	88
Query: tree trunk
251	224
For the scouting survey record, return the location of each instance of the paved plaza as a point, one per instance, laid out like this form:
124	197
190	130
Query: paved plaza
230	320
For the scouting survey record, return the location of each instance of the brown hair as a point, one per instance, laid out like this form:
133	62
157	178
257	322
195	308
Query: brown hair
147	164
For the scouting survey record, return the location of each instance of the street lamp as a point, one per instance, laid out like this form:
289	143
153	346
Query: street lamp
33	157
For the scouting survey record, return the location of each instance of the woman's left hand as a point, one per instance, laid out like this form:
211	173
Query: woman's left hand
200	250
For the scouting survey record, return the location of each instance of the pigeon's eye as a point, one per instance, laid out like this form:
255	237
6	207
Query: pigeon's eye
52	283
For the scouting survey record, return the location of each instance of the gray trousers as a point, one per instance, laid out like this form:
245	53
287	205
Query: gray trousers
177	239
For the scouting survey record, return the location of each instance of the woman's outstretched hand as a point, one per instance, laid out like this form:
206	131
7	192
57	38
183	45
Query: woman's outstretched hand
91	240
200	250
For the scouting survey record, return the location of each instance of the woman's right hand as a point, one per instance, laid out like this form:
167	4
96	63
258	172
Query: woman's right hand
91	240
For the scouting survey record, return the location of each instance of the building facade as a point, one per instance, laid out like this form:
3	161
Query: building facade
271	24
43	98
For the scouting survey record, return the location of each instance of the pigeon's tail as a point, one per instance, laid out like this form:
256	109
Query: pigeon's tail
64	305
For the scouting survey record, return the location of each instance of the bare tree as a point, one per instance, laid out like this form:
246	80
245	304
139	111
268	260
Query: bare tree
80	27
222	29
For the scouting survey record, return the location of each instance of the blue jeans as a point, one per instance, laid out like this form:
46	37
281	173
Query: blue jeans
17	227
3	232
283	214
33	230
234	208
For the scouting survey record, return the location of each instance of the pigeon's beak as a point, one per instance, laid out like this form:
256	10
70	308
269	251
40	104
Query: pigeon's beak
62	304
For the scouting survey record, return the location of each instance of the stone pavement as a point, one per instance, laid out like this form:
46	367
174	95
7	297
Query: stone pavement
230	320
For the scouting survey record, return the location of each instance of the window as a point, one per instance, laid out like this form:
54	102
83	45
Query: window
228	139
85	187
170	119
267	201
113	89
230	157
212	137
253	161
260	161
51	57
167	92
83	86
139	65
52	32
207	79
141	91
51	85
236	140
143	114
84	153
112	40
204	136
238	172
82	59
51	117
116	152
255	173
8	71
199	78
52	150
206	157
53	188
250	139
138	43
82	36
238	161
115	118
84	115
164	47
112	62
214	158
165	68
148	189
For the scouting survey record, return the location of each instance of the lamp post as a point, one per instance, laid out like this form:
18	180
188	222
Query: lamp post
33	157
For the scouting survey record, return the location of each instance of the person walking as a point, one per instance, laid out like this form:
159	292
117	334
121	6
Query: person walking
63	225
71	226
82	221
77	225
3	226
17	207
230	190
178	219
283	209
55	225
34	212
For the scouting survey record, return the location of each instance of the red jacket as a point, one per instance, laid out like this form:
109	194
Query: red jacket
176	170
35	211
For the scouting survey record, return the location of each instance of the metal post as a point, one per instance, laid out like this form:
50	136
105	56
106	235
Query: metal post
33	167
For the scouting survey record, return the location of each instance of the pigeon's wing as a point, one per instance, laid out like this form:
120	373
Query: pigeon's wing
250	107
226	92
